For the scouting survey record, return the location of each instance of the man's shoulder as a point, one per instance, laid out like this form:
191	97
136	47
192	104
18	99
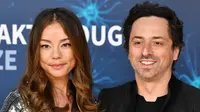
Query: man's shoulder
187	97
117	92
191	91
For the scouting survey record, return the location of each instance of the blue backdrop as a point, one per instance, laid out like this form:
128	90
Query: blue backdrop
102	21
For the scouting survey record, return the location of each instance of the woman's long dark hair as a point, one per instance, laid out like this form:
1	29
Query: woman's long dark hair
36	88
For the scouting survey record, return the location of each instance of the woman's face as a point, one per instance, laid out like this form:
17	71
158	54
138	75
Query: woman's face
56	55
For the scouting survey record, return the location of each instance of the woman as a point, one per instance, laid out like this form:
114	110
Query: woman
56	49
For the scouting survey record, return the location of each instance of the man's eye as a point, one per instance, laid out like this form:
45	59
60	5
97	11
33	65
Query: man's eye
137	43
158	43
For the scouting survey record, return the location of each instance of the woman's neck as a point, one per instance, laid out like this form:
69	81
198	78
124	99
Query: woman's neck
60	91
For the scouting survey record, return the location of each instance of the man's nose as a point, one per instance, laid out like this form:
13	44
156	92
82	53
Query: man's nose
147	49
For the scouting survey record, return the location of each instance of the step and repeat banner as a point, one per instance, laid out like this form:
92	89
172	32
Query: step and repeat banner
102	22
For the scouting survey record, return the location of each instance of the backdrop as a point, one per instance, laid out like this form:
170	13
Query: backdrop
102	21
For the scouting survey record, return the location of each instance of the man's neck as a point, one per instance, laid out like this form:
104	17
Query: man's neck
151	90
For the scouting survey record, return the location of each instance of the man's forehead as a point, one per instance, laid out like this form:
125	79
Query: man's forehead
150	19
152	38
150	27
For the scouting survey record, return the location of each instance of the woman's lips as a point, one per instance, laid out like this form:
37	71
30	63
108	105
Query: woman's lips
57	66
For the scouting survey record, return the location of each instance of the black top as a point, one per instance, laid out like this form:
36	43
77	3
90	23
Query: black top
61	109
143	106
180	98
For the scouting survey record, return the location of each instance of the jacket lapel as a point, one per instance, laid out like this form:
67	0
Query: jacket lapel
132	98
174	89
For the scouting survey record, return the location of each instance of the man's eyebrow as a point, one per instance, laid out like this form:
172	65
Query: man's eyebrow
137	37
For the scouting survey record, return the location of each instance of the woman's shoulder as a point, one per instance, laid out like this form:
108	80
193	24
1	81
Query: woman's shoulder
13	103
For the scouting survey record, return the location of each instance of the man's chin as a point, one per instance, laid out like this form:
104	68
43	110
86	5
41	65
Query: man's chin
147	75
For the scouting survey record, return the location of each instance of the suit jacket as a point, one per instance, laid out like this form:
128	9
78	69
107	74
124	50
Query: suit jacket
180	98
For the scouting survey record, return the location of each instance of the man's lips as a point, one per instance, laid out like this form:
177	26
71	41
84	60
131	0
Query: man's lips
148	62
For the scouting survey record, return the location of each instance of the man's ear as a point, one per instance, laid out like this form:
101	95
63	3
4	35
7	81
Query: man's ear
176	53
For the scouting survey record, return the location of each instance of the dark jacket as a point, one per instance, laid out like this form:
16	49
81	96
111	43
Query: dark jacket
180	98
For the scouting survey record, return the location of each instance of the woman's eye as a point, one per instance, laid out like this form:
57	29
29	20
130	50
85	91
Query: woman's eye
45	46
66	45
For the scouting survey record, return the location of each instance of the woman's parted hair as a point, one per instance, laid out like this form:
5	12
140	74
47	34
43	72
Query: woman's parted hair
36	88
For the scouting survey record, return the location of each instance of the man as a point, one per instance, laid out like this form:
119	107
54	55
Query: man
153	39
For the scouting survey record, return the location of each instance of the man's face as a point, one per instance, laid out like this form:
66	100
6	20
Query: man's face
150	48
